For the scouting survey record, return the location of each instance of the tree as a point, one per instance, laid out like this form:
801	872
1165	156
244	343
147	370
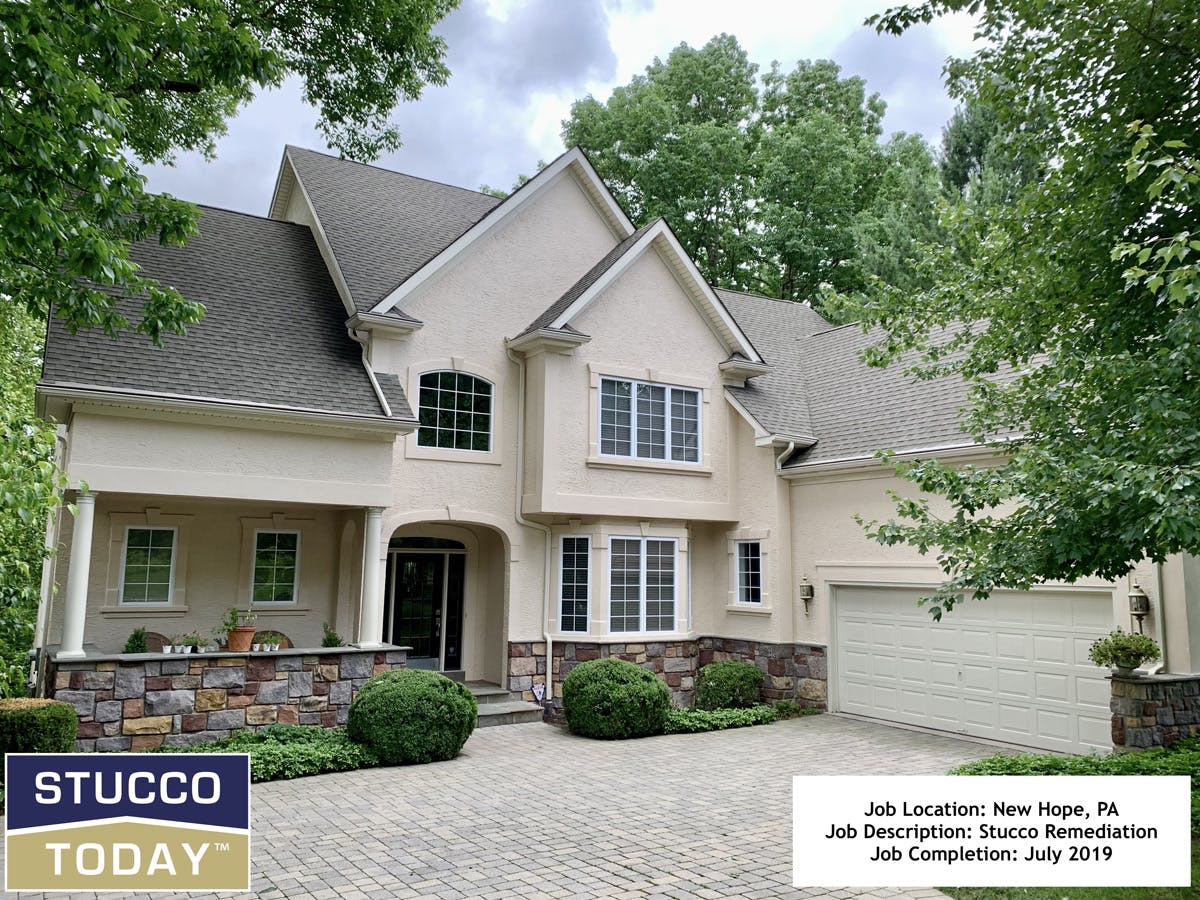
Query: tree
770	185
1076	324
89	90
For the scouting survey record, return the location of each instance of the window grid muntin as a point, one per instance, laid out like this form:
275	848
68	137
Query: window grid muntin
145	570
642	584
574	587
276	569
455	411
749	572
649	421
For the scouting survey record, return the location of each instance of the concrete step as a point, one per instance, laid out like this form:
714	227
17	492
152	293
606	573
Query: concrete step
512	712
486	692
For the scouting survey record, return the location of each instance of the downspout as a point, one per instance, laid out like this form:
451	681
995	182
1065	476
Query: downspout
779	460
360	338
521	520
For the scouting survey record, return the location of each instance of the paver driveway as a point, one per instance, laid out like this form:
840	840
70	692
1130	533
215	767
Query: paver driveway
532	811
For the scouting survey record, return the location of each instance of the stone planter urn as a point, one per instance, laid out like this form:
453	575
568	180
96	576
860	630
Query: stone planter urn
238	639
1124	671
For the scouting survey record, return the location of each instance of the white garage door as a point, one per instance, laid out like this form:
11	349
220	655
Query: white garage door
1011	668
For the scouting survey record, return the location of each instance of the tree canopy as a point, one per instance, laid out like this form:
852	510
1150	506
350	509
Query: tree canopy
90	90
1074	316
776	184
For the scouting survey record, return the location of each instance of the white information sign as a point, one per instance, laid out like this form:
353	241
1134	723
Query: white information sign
1001	831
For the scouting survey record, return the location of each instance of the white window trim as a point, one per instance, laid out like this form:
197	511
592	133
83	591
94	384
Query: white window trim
459	365
737	575
276	604
734	603
667	459
587	618
641	630
147	604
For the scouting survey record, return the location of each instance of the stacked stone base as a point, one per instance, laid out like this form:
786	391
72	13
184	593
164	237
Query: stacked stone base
1154	711
795	672
151	700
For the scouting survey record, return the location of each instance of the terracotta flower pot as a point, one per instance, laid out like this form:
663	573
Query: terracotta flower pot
239	639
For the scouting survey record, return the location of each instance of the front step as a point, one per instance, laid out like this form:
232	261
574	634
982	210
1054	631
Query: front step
500	707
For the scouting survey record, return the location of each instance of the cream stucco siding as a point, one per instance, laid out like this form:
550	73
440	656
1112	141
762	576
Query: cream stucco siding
130	452
213	567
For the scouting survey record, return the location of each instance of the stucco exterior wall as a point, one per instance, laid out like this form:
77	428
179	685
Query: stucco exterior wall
213	569
830	548
150	452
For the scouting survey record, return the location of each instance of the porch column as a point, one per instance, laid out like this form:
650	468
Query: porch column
75	610
370	611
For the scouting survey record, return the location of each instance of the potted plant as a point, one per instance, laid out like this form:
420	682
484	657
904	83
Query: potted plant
1124	652
177	644
239	629
136	642
271	640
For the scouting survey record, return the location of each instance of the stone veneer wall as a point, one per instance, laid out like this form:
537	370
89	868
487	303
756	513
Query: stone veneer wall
1154	710
791	671
142	701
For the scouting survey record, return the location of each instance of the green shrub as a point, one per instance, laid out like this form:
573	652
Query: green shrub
279	752
691	721
614	699
29	725
790	709
728	685
136	642
1182	759
412	716
1126	650
331	638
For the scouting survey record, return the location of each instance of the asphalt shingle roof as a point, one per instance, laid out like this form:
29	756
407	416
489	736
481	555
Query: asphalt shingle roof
381	225
273	333
820	386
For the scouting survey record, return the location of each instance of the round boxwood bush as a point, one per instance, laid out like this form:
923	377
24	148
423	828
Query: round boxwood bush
612	699
730	684
30	725
412	716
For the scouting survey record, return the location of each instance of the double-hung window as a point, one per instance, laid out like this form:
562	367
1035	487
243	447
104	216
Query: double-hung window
641	584
749	572
573	599
148	566
455	411
649	421
276	562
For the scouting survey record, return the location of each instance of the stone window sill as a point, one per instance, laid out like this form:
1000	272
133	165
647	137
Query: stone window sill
644	465
129	610
743	609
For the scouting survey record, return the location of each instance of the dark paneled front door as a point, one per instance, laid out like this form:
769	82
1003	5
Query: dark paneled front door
425	600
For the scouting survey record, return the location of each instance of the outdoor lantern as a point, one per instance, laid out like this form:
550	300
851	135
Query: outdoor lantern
806	593
1139	604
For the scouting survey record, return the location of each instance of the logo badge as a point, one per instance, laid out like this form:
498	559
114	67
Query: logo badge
127	822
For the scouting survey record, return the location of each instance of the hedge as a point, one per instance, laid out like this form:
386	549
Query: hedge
412	716
613	699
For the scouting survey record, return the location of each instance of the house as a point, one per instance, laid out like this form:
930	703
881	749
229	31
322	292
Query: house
511	436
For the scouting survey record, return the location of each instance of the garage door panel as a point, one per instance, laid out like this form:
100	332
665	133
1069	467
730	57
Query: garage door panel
1011	668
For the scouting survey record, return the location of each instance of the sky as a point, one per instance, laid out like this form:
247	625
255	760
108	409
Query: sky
517	65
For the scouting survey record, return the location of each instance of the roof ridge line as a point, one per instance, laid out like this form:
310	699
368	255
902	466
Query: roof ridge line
378	168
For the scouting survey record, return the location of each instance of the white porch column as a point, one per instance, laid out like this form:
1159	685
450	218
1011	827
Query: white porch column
75	610
370	610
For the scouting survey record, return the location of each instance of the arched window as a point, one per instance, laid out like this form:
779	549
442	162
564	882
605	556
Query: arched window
455	412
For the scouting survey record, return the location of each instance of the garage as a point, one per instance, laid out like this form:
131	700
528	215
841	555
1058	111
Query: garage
1011	668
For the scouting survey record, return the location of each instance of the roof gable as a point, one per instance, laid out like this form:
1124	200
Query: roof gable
572	163
657	235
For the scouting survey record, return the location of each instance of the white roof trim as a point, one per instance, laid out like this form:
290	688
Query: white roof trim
573	161
701	290
759	431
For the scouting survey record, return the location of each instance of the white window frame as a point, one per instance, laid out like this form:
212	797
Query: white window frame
587	615
491	413
760	556
666	459
275	604
676	598
148	604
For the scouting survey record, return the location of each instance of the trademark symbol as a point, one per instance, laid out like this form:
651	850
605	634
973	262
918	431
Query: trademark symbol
221	847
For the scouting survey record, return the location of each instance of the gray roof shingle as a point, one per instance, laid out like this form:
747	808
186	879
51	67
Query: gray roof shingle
381	225
273	333
820	386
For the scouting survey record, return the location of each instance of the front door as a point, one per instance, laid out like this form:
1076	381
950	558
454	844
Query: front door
425	599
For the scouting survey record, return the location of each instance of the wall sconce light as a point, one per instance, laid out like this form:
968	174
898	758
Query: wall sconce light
1139	604
806	593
